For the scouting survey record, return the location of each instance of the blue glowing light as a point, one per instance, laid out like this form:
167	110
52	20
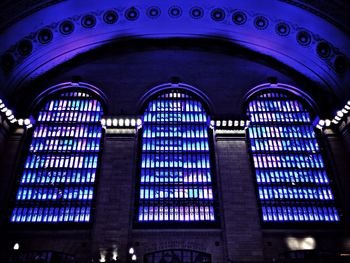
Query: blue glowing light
175	179
290	172
57	181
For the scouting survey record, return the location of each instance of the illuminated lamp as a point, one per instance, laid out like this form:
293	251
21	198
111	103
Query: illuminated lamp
115	122
127	122
340	114
27	122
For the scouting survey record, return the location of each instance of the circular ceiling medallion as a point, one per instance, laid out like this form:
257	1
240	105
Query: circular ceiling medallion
175	11
25	47
110	17
218	14
261	22
153	12
323	49
239	18
132	14
66	27
196	12
45	36
304	38
282	29
88	21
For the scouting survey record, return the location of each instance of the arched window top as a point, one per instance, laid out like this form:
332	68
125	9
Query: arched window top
173	92
284	92
285	106
291	175
79	94
176	175
76	106
57	181
177	255
69	90
181	90
178	102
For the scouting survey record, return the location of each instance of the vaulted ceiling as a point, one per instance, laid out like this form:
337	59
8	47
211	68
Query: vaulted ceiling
311	37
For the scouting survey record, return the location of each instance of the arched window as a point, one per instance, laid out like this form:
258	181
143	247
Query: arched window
57	182
177	255
176	179
291	178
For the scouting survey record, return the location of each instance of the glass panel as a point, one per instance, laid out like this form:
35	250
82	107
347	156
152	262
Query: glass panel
175	175
290	172
177	255
57	182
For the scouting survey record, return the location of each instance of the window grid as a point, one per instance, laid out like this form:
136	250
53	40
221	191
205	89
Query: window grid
292	182
177	255
57	181
175	174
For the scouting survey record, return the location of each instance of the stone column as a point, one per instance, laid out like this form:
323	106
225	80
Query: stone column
238	199
115	195
338	146
11	143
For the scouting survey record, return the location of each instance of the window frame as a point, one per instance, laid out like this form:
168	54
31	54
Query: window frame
293	94
52	94
196	96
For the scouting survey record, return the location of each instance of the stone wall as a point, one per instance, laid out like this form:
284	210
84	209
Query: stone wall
238	200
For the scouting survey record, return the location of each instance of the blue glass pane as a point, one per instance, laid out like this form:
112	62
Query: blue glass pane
290	172
175	175
57	182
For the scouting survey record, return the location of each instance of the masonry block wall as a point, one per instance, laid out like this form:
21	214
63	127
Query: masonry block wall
345	133
115	196
9	160
339	168
69	241
239	203
4	128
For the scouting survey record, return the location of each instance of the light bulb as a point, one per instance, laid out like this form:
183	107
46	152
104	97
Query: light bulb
8	113
26	122
115	122
340	114
109	122
127	122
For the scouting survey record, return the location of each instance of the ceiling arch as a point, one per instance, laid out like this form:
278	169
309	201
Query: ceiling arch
57	33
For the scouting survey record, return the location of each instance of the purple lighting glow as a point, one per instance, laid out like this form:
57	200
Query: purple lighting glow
176	178
57	182
292	182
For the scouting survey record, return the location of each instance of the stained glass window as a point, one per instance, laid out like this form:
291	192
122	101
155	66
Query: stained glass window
291	177
176	172
57	183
